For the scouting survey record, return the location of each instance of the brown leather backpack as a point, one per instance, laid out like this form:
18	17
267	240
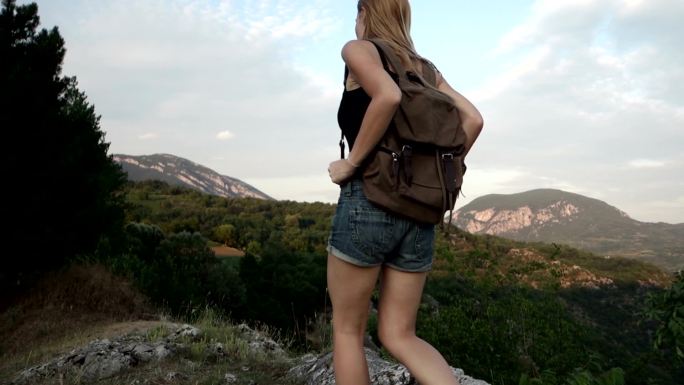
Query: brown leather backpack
416	170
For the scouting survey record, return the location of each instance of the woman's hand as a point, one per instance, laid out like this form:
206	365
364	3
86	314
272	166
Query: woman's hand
341	170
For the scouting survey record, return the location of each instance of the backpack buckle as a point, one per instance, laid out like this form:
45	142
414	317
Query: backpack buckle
448	156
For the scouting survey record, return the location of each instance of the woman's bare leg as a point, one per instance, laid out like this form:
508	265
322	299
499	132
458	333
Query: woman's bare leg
350	288
400	294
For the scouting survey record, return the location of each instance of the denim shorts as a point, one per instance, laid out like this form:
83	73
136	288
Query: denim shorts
366	235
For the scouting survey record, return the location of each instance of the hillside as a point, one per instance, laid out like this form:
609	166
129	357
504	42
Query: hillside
305	226
183	172
548	215
486	299
498	308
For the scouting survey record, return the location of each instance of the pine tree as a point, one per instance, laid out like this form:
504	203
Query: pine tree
61	191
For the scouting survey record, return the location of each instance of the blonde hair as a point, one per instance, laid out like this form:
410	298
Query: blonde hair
390	20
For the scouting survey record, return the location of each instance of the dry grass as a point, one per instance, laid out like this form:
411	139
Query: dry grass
70	308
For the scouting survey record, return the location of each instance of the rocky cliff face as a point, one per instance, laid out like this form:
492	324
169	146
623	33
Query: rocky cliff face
499	221
548	215
183	172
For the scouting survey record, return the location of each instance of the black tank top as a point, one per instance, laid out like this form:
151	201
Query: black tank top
353	107
354	104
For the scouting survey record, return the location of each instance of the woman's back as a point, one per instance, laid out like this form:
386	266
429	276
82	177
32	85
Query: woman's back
367	242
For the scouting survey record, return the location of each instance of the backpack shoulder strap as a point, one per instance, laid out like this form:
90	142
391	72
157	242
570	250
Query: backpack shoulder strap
386	54
429	72
383	58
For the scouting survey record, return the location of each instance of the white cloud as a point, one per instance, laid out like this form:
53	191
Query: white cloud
149	135
189	69
288	21
646	163
665	210
224	135
310	188
479	181
593	86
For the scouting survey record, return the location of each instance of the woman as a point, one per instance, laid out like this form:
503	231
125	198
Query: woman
397	248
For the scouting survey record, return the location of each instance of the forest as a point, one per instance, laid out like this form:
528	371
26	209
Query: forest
483	306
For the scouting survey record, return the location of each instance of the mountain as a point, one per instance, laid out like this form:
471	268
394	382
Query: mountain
183	172
549	215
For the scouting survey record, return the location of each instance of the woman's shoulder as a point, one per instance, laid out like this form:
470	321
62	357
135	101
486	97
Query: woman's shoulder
357	48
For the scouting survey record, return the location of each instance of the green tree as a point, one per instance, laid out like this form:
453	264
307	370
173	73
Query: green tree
667	309
283	288
178	276
226	233
253	248
143	240
64	193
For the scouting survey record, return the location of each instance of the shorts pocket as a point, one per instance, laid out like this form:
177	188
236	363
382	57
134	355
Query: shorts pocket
371	229
425	240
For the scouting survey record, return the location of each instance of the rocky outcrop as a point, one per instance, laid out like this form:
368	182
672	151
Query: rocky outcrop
104	358
539	269
108	358
500	221
318	370
259	342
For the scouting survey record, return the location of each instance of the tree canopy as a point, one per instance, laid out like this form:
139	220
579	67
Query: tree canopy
61	188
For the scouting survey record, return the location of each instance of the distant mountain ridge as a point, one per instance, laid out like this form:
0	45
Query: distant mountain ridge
183	172
550	215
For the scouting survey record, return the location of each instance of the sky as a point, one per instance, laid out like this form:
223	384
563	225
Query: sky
584	96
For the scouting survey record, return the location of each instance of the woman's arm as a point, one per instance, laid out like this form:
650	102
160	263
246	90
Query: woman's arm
470	116
365	67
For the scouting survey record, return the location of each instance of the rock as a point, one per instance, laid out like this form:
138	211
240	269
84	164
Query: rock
189	365
99	359
319	371
216	350
107	358
185	330
258	342
104	358
170	376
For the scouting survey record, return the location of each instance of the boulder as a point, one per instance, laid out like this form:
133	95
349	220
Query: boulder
104	358
318	370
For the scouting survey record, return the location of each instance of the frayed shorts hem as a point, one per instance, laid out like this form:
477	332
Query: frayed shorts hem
332	250
421	270
335	252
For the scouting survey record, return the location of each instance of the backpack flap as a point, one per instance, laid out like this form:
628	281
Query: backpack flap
417	168
425	115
